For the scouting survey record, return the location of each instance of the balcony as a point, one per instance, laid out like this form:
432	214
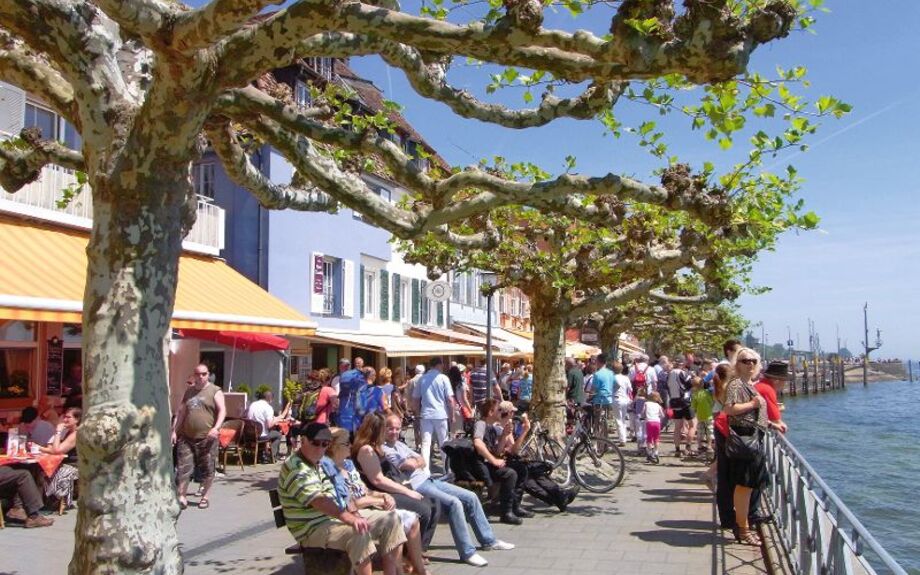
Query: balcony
41	198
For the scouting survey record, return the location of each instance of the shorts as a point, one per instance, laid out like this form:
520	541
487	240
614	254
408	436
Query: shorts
385	534
652	431
197	454
679	409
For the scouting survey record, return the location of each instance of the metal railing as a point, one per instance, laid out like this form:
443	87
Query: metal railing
42	198
818	533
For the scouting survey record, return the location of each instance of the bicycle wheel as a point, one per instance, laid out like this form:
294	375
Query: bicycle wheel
598	465
550	450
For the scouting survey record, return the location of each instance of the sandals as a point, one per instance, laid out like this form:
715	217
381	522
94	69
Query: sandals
747	537
203	504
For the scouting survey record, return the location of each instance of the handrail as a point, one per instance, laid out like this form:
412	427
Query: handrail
817	530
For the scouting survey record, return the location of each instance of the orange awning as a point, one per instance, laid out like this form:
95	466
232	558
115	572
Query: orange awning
44	272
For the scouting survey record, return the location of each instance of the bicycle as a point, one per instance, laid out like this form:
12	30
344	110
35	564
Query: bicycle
595	463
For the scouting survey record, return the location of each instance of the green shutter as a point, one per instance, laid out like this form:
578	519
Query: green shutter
415	299
440	314
397	295
361	291
423	303
384	294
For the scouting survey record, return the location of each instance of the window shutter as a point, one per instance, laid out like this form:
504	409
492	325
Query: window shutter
423	302
384	294
361	292
12	109
316	286
440	314
397	295
348	288
415	300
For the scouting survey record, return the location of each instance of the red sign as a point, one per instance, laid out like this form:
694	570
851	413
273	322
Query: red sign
317	274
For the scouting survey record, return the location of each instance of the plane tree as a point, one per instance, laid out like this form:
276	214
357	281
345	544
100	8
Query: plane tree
149	84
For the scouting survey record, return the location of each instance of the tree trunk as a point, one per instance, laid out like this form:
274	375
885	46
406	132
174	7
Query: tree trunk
128	507
609	337
548	314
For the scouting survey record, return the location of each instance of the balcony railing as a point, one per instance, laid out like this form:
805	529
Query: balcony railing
819	535
42	199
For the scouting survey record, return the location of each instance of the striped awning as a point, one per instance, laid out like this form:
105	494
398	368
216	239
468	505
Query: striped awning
395	345
44	274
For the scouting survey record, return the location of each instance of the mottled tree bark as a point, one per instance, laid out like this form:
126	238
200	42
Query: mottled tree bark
549	312
128	508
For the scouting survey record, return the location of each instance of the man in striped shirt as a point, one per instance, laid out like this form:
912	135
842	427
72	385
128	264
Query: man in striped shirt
315	518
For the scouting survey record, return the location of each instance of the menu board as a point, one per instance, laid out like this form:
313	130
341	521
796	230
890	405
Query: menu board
55	370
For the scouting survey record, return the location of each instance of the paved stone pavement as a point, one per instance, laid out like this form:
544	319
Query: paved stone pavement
661	520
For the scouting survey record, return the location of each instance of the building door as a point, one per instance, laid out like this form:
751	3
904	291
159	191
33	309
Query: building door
215	362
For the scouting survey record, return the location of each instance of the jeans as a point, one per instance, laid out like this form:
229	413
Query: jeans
461	505
438	428
275	437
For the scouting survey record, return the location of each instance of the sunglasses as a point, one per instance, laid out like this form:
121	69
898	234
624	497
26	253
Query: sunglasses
748	361
505	413
197	373
324	443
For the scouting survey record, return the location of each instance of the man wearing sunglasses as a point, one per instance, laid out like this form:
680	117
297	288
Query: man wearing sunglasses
308	499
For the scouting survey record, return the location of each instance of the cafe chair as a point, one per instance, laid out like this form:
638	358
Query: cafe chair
252	439
231	434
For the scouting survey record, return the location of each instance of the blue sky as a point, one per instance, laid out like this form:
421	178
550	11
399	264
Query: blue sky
861	173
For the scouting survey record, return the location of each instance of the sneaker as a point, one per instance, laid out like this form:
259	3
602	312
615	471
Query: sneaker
39	521
17	514
499	545
476	560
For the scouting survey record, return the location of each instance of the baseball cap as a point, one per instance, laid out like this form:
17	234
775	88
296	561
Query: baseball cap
419	369
317	432
461	367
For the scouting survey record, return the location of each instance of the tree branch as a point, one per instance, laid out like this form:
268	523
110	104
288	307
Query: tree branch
30	71
148	19
270	195
19	167
429	81
211	23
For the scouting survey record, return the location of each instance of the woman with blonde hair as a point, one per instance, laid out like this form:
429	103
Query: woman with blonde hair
747	419
353	495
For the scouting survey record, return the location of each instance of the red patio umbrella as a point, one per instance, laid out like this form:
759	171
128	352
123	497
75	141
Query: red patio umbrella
246	341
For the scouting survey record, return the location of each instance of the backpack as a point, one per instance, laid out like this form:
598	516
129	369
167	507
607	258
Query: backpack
309	406
639	379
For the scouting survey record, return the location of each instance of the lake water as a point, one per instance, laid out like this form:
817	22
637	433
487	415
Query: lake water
865	443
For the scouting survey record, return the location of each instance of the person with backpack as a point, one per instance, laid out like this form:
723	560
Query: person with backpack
370	397
318	399
349	383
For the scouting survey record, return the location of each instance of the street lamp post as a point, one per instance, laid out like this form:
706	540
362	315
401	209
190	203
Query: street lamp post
488	282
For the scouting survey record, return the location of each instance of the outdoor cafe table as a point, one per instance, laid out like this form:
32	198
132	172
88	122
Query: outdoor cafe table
46	462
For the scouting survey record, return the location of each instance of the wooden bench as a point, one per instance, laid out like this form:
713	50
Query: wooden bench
315	559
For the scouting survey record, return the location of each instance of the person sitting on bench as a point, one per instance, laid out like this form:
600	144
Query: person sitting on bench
308	498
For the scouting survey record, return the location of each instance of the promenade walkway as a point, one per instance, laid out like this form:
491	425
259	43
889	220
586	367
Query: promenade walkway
660	521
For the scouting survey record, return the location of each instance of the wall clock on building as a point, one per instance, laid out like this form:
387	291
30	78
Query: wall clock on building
438	291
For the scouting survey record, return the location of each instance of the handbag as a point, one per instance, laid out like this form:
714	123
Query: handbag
742	447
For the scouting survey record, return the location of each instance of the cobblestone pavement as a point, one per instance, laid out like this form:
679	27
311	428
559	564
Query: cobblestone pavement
661	520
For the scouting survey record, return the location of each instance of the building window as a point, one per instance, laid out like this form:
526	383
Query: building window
515	304
370	293
302	94
330	275
203	180
470	289
43	119
322	66
18	347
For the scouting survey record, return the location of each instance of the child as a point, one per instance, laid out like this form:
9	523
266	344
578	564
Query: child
652	413
701	403
639	406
